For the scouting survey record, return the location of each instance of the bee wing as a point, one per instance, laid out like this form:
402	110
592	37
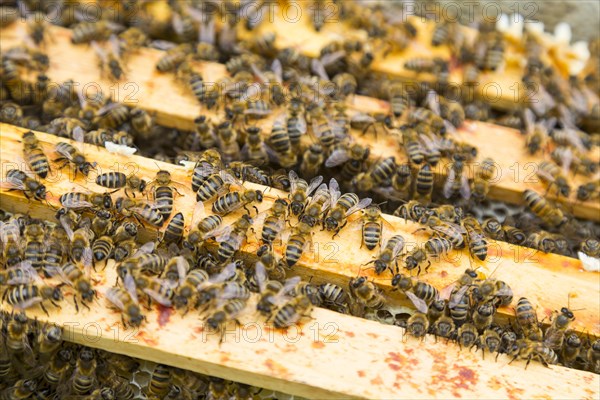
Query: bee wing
198	214
129	285
337	157
334	191
314	184
330	58
446	292
397	248
290	283
318	69
29	274
432	101
465	188
7	229
12	183
230	179
363	118
146	248
361	204
227	273
260	274
447	191
277	69
162	45
222	234
112	295
86	260
100	52
57	272
294	178
419	303
64	221
158	297
206	32
77	204
528	120
260	75
182	268
456	298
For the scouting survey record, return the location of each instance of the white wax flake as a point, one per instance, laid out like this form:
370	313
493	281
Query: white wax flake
119	149
590	264
562	33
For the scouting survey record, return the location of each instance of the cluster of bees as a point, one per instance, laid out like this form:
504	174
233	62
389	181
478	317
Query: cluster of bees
35	363
313	133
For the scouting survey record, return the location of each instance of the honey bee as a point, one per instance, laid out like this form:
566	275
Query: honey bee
112	115
202	227
412	210
312	160
552	175
426	65
342	207
421	294
588	191
571	349
34	244
300	190
72	275
424	183
417	325
79	200
34	155
475	238
225	311
173	57
378	174
24	296
527	349
537	133
118	180
274	266
591	247
86	32
593	356
10	234
453	233
231	237
543	241
110	61
232	201
527	319
457	181
490	340
467	336
130	309
186	293
70	155
22	389
555	333
215	181
389	254
274	221
291	312
372	227
162	192
139	209
19	180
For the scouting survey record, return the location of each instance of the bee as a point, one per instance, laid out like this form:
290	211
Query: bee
475	238
424	183
34	155
389	254
555	333
215	182
352	159
73	275
118	180
493	290
24	296
139	209
34	244
249	173
176	270
426	65
160	381
22	273
173	57
186	293
202	228
272	293
483	316
588	191
537	137
70	155
102	248
552	175
174	230
130	309
163	193
543	241
446	230
457	181
19	180
378	174
399	100
280	142
412	210
274	221
231	238
366	293
102	223
204	133
417	325
57	367
490	340
342	207
10	234
274	267
298	240
444	327
227	310
436	309
372	227
110	61
402	180
300	191
155	289
527	318
529	349
79	200
593	356
312	160
86	32
255	149
333	297
231	201
591	247
16	339
112	115
571	349
467	336
291	312
21	389
421	294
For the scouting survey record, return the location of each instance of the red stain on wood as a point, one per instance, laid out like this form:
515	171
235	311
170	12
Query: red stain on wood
164	314
148	340
443	274
373	335
361	373
349	334
318	345
377	381
276	368
513	393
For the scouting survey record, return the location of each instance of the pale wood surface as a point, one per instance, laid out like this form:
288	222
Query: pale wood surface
329	356
173	106
546	279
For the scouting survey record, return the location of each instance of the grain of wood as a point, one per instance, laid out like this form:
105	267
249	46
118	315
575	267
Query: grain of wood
172	106
546	279
328	356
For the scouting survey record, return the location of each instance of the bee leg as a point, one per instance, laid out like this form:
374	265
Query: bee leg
428	265
85	305
256	209
44	309
76	305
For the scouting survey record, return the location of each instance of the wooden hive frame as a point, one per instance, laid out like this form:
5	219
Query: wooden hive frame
314	366
174	107
304	368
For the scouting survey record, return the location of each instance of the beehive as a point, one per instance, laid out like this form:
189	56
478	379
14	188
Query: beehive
331	349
